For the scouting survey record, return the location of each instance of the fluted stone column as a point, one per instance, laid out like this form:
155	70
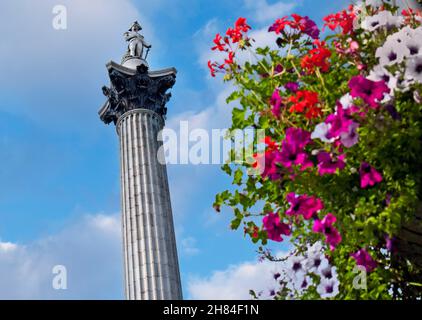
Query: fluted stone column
136	104
151	265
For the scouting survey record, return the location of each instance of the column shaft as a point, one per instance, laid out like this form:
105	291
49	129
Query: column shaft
150	254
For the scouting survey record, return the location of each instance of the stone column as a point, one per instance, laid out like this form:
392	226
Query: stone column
150	254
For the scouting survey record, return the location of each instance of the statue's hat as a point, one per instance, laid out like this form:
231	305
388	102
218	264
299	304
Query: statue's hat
135	24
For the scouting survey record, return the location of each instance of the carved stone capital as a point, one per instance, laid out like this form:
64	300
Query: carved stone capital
136	89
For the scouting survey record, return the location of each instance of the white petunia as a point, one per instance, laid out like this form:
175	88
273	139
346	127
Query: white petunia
379	73
391	53
374	3
328	272
383	19
317	262
295	267
346	101
321	132
328	288
414	69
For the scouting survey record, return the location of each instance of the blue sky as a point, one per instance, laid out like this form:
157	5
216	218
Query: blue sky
59	178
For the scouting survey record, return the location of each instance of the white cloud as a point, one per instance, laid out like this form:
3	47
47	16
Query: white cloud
89	248
235	282
189	246
263	12
56	75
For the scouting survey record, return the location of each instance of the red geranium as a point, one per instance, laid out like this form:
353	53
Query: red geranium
305	102
317	58
343	19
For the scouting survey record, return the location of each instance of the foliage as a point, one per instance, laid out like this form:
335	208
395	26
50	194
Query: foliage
342	118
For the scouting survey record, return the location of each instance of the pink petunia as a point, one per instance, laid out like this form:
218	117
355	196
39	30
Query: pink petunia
304	205
369	176
326	227
275	228
371	92
329	165
363	258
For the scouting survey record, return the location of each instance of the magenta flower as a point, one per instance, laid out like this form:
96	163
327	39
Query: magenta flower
292	86
298	137
339	122
275	103
291	155
371	92
325	226
363	258
309	27
369	176
275	228
350	138
267	164
292	149
303	205
329	165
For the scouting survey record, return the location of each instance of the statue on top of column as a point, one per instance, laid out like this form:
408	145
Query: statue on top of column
136	42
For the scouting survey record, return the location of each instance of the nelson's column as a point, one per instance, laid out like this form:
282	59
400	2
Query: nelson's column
136	105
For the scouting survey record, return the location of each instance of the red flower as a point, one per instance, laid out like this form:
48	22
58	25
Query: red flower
218	45
211	67
305	102
230	60
241	25
240	28
317	58
279	25
343	19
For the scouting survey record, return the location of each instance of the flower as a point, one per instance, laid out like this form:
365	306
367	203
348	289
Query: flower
240	28
328	288
344	20
374	3
382	19
316	261
306	25
351	137
230	60
303	24
317	58
339	122
218	45
392	52
275	103
279	25
321	132
292	86
292	149
346	101
303	205
414	68
368	176
379	73
326	227
305	102
275	228
295	267
329	165
267	163
328	272
363	258
211	66
371	92
241	25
